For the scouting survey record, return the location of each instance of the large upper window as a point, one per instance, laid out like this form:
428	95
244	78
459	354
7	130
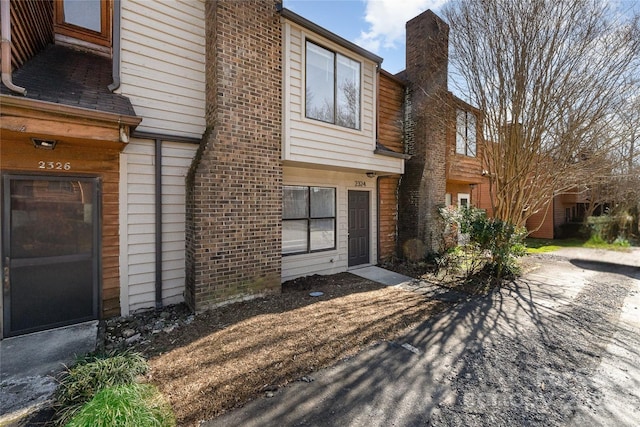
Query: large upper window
88	20
466	133
308	219
333	87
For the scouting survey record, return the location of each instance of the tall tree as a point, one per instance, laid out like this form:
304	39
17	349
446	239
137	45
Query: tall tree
548	74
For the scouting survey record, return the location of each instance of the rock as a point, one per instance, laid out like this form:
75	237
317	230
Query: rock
128	332
133	338
269	394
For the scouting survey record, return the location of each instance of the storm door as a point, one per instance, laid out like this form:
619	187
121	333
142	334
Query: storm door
358	227
50	253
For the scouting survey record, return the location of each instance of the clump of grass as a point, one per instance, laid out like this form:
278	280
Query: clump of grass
131	405
91	375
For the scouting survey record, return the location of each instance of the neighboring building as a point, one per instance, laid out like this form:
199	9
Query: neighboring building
93	179
464	155
205	152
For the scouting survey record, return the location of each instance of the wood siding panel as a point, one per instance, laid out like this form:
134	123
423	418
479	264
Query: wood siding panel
541	223
19	156
31	29
139	235
388	216
390	113
163	65
316	142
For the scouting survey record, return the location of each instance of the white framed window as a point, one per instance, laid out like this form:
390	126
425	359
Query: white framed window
464	200
466	133
308	219
332	88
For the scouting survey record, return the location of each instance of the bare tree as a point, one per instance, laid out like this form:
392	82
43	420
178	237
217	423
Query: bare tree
548	75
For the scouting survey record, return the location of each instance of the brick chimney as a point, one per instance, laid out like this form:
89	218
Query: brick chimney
423	186
234	186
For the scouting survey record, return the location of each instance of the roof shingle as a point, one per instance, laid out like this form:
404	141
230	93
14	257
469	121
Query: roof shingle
67	76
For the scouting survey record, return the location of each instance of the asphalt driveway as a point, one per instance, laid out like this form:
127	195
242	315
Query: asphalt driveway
561	346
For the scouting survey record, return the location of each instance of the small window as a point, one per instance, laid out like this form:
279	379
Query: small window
465	133
308	219
332	92
88	20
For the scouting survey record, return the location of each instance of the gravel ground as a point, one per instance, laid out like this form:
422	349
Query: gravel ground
542	375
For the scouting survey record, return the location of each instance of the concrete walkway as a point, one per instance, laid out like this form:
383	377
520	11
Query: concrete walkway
382	276
28	364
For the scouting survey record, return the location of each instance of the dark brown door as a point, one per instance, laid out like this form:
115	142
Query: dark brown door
50	252
358	227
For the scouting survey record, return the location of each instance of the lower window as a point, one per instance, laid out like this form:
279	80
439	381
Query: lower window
308	219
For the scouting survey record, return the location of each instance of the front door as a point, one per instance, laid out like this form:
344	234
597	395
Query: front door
358	227
50	231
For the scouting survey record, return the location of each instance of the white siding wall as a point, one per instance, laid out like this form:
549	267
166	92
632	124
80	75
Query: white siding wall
163	64
137	223
312	141
335	261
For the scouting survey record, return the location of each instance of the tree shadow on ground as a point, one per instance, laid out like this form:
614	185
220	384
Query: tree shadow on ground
522	354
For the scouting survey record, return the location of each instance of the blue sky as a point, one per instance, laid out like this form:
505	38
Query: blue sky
378	25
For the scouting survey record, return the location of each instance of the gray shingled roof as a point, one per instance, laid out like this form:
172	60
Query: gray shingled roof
67	76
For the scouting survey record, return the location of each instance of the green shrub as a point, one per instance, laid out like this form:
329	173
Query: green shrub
610	228
493	245
131	405
84	380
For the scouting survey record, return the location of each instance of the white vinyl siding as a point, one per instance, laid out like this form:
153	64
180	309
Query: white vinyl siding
336	260
311	141
137	229
163	64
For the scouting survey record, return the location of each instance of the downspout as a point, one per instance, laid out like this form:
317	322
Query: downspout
158	220
378	219
115	51
5	16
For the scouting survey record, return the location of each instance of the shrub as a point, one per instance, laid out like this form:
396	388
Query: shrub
131	405
493	244
611	228
84	380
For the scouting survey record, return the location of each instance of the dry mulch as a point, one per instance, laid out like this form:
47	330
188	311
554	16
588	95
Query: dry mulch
228	356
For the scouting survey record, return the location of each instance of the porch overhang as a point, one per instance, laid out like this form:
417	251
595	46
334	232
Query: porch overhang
25	117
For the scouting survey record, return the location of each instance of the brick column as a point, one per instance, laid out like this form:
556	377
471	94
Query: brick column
234	196
423	186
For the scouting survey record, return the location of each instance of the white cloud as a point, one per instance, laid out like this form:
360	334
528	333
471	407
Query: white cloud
387	19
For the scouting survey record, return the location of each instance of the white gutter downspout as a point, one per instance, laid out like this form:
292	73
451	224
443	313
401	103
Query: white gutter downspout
115	51
5	16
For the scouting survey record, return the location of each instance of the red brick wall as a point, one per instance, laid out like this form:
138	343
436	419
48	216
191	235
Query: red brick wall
422	188
234	200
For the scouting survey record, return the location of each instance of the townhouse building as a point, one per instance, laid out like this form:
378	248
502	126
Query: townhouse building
158	152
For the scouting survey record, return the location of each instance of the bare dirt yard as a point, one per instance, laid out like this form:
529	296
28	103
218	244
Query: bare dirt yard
223	358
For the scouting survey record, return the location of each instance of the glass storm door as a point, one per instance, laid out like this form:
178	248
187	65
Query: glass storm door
50	252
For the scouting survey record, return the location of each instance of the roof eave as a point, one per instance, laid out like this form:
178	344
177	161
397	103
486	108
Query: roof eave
303	22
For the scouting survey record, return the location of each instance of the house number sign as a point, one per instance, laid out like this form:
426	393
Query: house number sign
54	165
361	184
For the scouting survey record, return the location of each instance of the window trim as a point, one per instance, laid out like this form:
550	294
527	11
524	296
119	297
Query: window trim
466	152
308	218
335	53
102	38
